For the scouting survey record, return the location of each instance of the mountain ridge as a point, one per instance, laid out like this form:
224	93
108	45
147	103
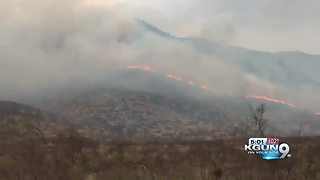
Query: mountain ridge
152	28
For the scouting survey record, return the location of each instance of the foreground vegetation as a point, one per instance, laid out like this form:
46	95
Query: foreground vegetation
29	155
32	148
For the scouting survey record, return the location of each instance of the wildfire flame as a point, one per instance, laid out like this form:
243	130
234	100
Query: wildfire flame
147	68
142	67
264	98
191	83
175	77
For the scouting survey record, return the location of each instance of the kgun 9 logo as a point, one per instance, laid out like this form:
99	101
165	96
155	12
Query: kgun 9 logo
268	148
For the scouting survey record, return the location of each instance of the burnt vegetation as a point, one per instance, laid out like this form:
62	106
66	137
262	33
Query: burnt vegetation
34	147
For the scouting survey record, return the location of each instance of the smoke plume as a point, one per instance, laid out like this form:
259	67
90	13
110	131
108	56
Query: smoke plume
49	46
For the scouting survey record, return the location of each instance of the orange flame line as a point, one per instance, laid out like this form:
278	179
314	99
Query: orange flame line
270	100
148	68
142	67
174	77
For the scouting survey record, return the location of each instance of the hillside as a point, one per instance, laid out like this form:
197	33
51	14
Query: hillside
138	115
294	70
146	116
20	121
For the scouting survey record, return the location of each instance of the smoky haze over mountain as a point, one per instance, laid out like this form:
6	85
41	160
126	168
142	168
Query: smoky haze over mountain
47	47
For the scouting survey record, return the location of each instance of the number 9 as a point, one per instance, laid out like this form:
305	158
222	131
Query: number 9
284	150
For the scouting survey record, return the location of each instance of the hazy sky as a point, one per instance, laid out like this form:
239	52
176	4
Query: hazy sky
49	45
267	25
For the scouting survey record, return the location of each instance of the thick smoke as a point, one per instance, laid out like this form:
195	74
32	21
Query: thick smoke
49	46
